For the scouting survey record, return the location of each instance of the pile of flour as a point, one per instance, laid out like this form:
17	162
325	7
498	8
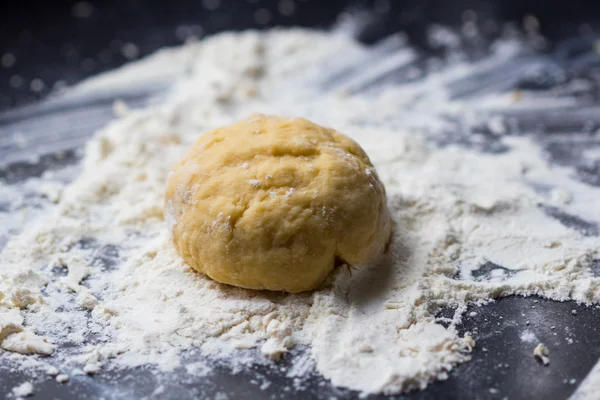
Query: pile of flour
95	284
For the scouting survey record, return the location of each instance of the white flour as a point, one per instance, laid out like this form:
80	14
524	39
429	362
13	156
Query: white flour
372	328
23	390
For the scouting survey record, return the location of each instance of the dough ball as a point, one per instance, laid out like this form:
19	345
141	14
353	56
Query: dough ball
272	202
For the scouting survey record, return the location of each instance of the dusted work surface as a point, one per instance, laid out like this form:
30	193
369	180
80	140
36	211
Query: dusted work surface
502	365
506	331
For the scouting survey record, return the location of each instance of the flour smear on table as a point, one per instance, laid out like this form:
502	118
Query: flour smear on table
372	328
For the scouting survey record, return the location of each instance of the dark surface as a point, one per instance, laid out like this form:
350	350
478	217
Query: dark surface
51	44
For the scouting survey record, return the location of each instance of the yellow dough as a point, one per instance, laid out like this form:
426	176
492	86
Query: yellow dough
271	202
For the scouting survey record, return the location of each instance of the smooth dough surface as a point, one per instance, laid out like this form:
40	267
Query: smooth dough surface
271	202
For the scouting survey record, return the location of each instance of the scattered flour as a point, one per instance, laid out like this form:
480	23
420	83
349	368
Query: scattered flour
198	369
528	337
100	273
23	390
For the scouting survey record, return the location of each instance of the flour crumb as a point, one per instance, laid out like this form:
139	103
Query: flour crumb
28	343
469	343
91	369
23	390
541	353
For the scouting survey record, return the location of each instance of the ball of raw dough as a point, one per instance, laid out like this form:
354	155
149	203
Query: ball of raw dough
272	202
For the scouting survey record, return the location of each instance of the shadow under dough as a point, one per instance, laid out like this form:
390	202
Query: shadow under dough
376	280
